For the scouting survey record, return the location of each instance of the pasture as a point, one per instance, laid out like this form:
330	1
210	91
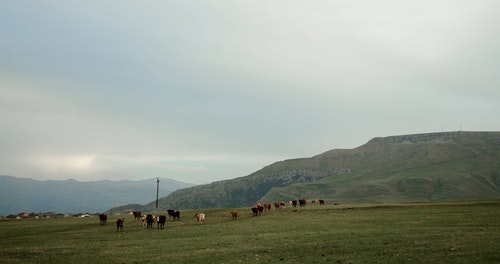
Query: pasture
458	232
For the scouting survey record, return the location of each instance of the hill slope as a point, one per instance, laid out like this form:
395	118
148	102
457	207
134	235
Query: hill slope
70	196
419	167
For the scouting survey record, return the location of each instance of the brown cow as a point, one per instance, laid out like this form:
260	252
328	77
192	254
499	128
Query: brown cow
119	224
137	215
234	214
267	207
321	202
276	206
161	221
103	219
302	202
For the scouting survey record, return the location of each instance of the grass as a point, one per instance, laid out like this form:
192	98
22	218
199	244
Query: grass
458	232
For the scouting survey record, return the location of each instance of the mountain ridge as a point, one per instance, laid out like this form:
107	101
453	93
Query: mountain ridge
72	196
403	168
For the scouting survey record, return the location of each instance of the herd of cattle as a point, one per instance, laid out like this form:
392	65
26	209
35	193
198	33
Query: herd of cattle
148	220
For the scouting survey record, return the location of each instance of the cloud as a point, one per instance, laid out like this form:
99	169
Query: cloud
216	90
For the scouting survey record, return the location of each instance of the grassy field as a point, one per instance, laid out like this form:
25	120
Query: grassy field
461	232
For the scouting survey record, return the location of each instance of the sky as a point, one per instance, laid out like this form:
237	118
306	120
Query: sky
202	91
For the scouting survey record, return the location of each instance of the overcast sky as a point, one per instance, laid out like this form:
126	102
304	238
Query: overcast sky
200	91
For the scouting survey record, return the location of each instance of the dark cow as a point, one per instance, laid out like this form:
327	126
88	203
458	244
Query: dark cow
255	211
302	202
294	203
170	212
161	221
321	202
150	220
176	215
137	215
119	224
234	214
103	219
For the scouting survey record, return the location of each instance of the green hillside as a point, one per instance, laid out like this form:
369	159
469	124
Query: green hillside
407	168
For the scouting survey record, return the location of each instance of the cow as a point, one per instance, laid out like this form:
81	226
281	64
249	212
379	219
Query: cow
150	219
294	203
137	215
276	206
255	211
176	215
261	208
282	205
200	217
170	212
103	219
302	202
314	202
119	224
161	221
234	214
321	202
267	207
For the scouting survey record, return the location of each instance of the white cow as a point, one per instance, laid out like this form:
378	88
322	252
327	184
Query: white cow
200	217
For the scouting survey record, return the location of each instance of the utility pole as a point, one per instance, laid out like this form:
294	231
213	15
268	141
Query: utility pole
157	190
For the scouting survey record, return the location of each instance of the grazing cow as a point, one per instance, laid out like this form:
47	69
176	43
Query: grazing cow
170	212
267	207
150	219
200	217
276	206
161	221
234	214
137	215
314	202
103	219
321	202
119	224
282	205
294	203
176	215
302	202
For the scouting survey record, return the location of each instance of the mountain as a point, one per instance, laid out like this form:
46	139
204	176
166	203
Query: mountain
407	168
70	196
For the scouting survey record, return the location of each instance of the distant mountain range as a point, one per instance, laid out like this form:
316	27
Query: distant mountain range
407	168
70	196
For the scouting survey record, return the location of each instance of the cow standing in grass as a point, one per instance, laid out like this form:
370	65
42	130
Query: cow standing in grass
103	219
161	221
170	212
119	224
234	214
200	217
176	215
137	215
150	219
